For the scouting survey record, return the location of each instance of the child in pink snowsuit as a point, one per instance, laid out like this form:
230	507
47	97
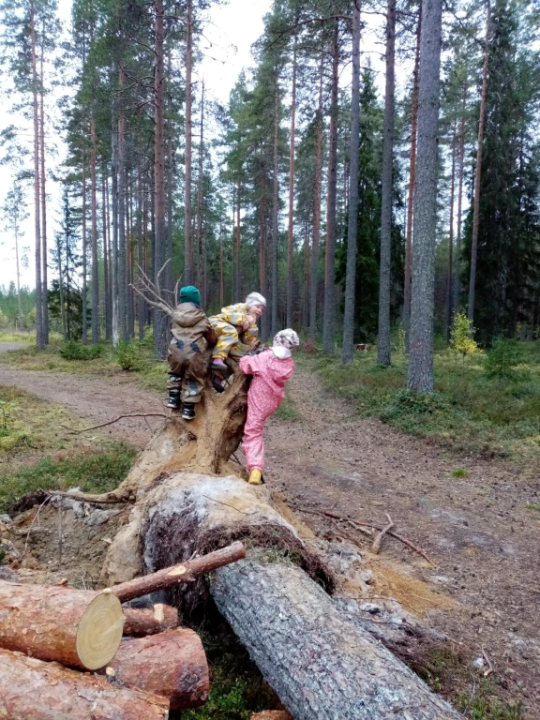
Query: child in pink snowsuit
270	369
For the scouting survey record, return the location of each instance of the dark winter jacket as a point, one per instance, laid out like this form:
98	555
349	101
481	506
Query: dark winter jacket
191	329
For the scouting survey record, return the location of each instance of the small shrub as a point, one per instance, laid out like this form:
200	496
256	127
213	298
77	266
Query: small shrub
130	356
502	360
460	473
74	351
462	340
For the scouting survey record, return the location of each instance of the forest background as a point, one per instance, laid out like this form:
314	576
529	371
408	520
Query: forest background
303	186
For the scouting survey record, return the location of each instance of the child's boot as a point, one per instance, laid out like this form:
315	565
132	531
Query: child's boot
188	411
218	364
174	399
255	477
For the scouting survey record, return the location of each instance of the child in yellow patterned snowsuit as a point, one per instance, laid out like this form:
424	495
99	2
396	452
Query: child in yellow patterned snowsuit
236	325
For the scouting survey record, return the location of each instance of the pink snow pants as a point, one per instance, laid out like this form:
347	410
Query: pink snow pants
262	402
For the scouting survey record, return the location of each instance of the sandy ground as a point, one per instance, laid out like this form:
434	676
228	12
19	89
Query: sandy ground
478	530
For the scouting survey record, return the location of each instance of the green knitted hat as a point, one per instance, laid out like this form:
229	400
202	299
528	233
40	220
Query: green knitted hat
190	294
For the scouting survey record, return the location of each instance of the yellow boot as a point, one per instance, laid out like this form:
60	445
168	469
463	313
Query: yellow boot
255	477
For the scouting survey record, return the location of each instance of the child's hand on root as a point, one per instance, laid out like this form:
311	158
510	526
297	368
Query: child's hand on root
249	321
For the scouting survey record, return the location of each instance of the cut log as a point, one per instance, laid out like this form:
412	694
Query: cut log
172	664
186	572
149	621
31	689
321	663
73	627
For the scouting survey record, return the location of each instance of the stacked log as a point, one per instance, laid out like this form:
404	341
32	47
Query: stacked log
43	629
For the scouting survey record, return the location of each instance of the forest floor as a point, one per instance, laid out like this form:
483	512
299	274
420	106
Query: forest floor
480	527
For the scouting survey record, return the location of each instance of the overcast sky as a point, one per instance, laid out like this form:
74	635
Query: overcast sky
226	44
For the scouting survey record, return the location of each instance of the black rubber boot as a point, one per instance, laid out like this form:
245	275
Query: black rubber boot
174	399
188	411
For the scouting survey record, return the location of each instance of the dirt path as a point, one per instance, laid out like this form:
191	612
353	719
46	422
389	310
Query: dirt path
478	529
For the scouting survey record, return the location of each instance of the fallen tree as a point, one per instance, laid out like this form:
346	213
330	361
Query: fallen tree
172	664
73	627
31	689
190	498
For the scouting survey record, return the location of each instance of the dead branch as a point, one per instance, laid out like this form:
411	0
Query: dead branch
120	417
490	669
110	498
358	524
375	548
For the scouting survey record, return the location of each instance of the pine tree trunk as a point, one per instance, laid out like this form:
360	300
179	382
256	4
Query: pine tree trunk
410	201
141	622
114	190
237	273
171	664
450	287
84	254
330	281
188	247
18	324
457	270
160	320
122	250
95	266
36	690
384	353
316	213
425	202
263	243
306	279
290	238
200	241
275	210
40	343
476	203
106	255
44	252
352	229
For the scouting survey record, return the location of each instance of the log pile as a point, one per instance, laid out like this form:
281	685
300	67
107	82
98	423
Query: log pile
49	634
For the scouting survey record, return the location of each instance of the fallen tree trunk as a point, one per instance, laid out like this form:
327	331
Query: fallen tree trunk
186	572
321	664
31	689
172	664
149	621
73	627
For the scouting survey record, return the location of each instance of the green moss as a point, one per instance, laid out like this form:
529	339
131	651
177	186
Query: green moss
460	473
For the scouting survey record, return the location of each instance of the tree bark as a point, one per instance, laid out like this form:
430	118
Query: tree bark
275	217
122	249
84	254
149	621
316	214
160	320
106	256
420	376
95	267
352	228
188	248
201	255
330	283
410	200
237	273
457	271
476	203
36	690
40	343
44	252
74	627
290	237
384	353
320	664
450	288
114	190
171	664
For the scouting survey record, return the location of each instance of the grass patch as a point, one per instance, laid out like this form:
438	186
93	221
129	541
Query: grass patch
237	688
287	411
535	507
92	471
21	337
471	410
460	473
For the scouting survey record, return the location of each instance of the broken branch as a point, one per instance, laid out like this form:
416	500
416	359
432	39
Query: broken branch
120	417
375	548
